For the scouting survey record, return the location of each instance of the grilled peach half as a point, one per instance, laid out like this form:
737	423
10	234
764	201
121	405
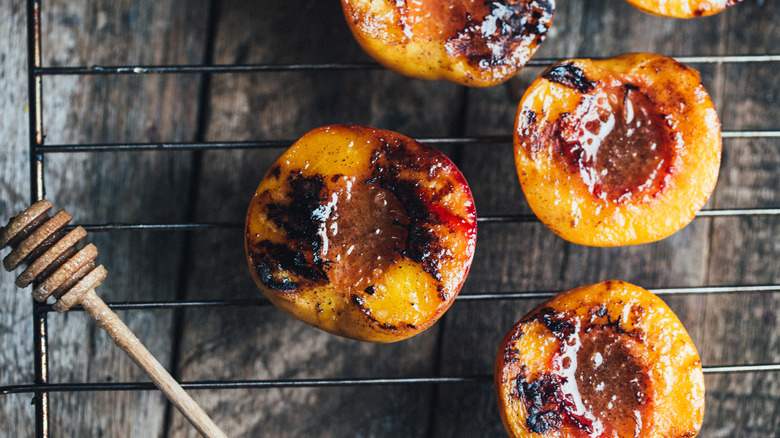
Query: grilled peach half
604	360
683	8
617	151
469	42
361	232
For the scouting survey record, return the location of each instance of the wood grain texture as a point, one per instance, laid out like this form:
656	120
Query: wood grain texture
744	329
530	257
16	359
259	342
110	187
286	105
113	187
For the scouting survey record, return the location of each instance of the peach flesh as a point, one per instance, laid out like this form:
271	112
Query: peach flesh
354	214
617	144
603	360
590	388
583	192
616	371
439	20
361	232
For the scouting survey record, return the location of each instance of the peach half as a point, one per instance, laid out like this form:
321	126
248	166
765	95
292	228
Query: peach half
604	360
617	151
683	8
468	42
361	232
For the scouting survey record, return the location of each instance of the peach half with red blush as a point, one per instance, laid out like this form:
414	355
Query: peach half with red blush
617	151
362	232
468	42
606	360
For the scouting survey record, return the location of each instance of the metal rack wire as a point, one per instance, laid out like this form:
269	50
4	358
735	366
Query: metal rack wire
41	387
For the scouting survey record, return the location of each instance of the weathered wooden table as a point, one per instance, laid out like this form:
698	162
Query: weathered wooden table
134	147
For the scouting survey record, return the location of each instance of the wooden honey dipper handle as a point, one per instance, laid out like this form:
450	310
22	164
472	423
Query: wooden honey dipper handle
70	276
127	341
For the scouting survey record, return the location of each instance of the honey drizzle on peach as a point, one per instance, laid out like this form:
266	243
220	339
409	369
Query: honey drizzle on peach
596	358
363	232
400	220
504	34
600	361
613	140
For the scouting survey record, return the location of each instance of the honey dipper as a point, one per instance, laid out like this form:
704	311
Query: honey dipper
70	275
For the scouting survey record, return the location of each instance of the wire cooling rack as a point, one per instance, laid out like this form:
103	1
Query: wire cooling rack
41	387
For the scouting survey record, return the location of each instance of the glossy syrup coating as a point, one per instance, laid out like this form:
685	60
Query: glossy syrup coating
604	360
683	8
469	42
617	151
361	232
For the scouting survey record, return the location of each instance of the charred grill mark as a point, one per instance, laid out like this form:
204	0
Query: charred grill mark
547	406
540	422
512	353
275	171
554	321
509	27
628	88
558	323
299	218
269	259
422	243
530	116
557	326
610	323
303	257
631	87
262	268
570	76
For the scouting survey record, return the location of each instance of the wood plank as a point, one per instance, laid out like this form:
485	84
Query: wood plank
16	360
111	187
743	329
521	257
263	343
